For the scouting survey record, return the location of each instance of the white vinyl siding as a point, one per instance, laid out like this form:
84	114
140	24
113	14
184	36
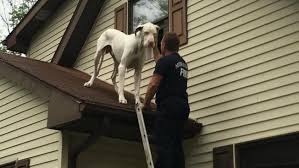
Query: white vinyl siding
46	40
23	132
243	58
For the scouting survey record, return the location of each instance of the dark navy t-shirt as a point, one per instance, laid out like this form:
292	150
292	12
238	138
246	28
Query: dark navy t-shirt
173	86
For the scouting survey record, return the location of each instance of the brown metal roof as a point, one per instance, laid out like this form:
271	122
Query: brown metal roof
69	81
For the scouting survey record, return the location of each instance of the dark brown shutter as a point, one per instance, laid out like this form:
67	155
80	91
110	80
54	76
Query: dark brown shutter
178	19
23	163
121	18
223	157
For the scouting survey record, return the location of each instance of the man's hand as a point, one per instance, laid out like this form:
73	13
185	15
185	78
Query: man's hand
146	107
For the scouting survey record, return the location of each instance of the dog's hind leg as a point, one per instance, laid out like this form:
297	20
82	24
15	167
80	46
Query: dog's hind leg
100	64
113	76
115	71
97	66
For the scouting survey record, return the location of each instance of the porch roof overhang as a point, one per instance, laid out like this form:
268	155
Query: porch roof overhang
77	108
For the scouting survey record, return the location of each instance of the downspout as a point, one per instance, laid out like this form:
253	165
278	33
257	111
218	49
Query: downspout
92	138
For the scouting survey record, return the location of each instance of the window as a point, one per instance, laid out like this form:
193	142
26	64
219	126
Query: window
148	11
275	152
170	15
143	11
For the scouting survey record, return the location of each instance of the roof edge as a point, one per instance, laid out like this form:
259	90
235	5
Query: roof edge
22	78
30	76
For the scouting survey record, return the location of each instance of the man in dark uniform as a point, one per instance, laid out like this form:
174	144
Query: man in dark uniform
169	83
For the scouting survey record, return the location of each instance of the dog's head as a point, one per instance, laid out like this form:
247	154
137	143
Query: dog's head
148	32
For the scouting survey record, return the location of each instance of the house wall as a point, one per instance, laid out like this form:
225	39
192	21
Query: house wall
45	41
23	128
112	153
243	70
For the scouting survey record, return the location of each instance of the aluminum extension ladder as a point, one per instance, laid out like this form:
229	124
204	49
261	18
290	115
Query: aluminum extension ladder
146	146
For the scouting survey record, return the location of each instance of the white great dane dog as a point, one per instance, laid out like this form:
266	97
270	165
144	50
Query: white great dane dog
127	51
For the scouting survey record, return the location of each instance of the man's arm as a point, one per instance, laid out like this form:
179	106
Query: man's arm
152	89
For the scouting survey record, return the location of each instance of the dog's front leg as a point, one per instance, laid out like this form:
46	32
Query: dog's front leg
137	80
113	76
122	72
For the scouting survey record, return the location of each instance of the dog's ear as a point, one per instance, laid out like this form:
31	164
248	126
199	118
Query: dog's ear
158	28
138	28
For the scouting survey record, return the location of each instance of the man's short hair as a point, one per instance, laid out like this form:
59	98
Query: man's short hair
172	41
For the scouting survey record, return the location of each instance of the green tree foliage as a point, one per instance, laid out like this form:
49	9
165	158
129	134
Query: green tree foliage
19	11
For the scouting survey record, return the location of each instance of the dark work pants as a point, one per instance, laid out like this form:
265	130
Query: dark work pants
169	137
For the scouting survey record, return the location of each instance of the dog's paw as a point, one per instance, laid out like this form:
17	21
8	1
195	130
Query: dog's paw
122	100
87	84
